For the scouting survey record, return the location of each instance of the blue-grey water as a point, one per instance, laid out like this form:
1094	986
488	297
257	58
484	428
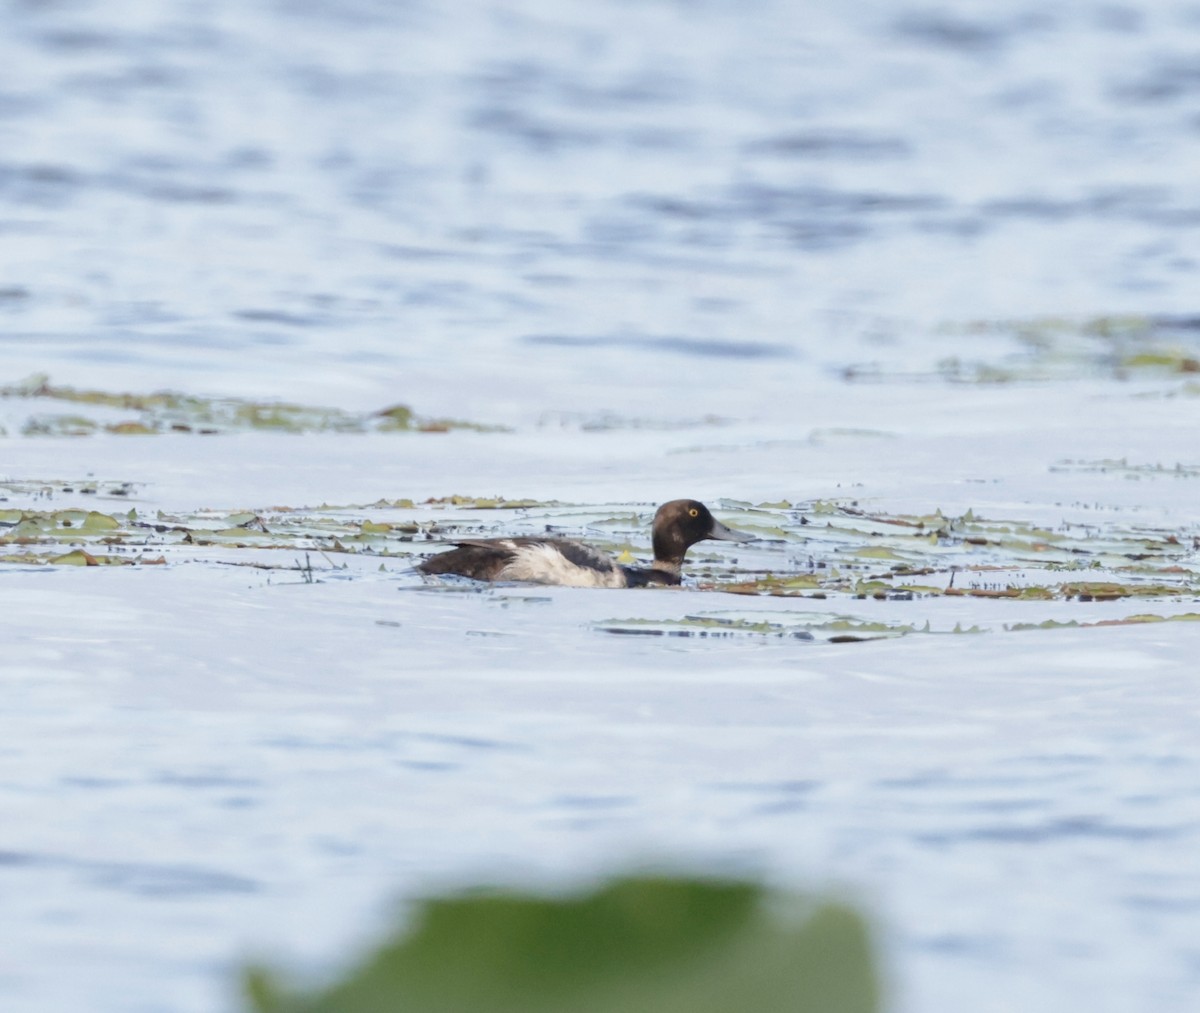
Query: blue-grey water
339	198
598	224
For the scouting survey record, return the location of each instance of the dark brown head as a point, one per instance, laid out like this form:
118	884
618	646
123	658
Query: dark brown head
682	523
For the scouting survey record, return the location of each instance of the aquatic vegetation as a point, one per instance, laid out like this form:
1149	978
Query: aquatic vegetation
810	557
1124	469
648	943
1056	348
170	412
42	489
1134	620
805	550
831	628
490	502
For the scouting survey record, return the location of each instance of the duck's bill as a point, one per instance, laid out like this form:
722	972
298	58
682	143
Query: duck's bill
724	534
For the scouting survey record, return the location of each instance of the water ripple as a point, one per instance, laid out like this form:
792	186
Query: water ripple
143	878
1054	831
676	345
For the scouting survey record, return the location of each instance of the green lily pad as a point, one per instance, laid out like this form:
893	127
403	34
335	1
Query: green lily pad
634	946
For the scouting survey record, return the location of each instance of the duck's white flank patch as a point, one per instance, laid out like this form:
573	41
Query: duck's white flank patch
545	564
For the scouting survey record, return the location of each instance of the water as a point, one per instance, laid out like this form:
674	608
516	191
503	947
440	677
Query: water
291	198
754	252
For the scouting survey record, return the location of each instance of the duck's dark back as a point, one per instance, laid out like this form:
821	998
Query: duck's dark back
480	560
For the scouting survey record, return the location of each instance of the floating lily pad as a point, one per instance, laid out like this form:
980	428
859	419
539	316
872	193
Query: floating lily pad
813	549
170	412
31	526
636	945
80	557
59	425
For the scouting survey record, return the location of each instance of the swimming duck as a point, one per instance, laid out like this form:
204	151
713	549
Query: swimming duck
678	525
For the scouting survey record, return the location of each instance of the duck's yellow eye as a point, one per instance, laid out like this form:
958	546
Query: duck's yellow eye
693	512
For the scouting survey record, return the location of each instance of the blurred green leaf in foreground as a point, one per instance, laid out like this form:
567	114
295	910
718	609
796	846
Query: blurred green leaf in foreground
638	945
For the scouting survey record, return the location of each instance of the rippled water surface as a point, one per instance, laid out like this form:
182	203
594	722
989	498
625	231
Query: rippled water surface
910	290
342	198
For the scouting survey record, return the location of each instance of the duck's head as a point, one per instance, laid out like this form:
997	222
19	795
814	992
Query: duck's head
682	523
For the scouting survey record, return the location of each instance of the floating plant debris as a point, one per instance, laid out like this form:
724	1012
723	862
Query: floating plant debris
1124	469
1134	620
95	411
806	550
1056	348
822	626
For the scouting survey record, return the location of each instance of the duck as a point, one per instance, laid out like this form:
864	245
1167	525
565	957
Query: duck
678	525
